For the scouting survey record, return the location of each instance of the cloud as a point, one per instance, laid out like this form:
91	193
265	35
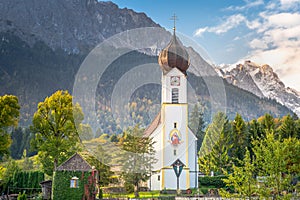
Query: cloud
230	23
258	44
285	20
289	4
278	44
253	24
284	60
249	4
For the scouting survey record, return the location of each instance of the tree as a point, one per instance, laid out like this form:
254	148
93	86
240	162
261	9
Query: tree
277	161
9	116
213	153
267	123
56	135
137	158
21	138
239	136
288	127
254	133
219	155
197	125
242	179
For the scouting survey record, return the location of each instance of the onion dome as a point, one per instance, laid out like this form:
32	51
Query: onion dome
174	55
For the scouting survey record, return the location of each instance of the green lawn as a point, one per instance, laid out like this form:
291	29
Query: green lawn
149	194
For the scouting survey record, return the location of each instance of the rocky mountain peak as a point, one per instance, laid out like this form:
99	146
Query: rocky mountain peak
262	81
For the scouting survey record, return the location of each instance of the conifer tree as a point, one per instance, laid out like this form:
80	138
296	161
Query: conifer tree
213	154
242	179
197	125
288	127
267	123
239	136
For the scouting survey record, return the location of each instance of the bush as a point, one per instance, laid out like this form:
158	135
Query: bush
22	196
100	194
214	181
25	179
204	190
129	187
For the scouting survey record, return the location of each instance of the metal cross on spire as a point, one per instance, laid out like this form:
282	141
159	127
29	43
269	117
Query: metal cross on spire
174	18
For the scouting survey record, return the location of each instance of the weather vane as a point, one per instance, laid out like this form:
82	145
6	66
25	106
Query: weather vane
174	18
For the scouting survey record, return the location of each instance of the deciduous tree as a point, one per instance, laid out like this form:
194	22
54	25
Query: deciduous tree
9	116
138	157
54	125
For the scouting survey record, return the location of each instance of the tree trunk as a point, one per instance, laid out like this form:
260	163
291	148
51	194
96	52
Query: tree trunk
55	163
136	190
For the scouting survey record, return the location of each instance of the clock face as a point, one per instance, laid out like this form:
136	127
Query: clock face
175	80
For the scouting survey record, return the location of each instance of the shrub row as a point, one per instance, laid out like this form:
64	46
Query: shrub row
29	180
213	181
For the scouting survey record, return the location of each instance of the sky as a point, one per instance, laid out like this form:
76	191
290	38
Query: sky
232	31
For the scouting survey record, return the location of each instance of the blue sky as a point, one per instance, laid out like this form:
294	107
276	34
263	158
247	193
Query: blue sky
232	31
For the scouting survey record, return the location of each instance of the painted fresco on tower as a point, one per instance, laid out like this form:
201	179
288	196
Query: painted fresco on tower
175	137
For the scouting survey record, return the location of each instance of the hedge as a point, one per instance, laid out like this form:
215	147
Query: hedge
25	179
213	181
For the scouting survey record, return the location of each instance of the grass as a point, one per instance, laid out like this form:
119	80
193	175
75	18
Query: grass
150	194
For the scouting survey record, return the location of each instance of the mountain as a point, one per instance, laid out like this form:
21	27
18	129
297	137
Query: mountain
71	25
43	44
263	82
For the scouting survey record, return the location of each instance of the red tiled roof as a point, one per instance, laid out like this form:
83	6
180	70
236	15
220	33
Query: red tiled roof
154	124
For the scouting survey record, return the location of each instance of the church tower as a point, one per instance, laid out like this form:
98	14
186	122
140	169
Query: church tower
175	144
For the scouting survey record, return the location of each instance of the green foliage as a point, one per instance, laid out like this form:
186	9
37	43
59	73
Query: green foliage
212	181
242	179
61	189
239	135
103	170
22	196
138	157
9	111
267	123
288	128
270	171
213	155
277	161
54	125
21	138
100	194
9	116
8	169
26	179
27	164
197	124
14	178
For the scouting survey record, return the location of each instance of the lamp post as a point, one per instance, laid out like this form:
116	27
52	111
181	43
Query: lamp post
178	166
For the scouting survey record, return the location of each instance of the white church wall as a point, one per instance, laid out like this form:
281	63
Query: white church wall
171	179
167	87
157	137
193	159
154	183
175	113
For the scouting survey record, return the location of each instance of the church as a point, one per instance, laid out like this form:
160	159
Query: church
175	143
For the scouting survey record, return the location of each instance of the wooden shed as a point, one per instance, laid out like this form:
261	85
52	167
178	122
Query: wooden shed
75	179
